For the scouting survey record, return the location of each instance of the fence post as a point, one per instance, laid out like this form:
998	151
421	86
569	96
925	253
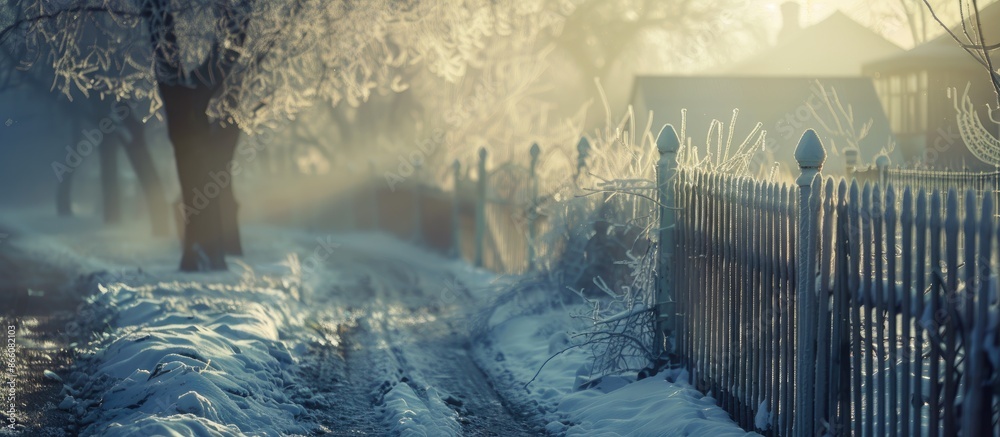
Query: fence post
532	205
418	225
582	152
456	217
810	155
666	170
882	163
374	195
851	161
481	208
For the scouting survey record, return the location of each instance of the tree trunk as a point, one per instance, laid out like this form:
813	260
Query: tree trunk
64	191
226	139
64	196
139	156
203	151
110	188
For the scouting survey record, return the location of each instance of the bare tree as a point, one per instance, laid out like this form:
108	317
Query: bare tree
972	39
217	67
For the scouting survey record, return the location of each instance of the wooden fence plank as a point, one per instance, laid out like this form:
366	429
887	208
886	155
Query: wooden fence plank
906	238
854	209
788	234
951	318
824	345
878	304
750	383
867	212
772	288
758	324
967	299
891	309
979	407
920	281
840	414
931	326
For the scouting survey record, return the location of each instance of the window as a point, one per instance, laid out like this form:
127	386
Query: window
904	97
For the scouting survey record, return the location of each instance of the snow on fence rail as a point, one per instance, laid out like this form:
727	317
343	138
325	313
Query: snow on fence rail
831	307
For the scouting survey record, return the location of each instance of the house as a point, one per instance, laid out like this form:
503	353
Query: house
781	104
913	87
784	88
835	46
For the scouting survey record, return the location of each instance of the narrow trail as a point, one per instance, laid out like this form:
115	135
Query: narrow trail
391	320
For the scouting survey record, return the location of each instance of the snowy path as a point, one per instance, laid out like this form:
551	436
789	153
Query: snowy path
312	334
364	336
395	323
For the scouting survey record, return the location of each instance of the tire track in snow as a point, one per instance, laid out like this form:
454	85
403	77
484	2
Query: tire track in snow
402	351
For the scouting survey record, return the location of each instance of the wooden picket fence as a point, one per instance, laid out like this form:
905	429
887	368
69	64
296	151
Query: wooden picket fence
493	220
831	307
882	172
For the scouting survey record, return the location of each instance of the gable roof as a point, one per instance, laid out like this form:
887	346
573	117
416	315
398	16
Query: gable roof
942	51
780	103
836	46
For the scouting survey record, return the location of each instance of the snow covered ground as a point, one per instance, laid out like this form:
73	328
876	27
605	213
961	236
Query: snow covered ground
330	334
527	329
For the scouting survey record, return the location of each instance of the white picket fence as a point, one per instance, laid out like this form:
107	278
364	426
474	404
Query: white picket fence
829	307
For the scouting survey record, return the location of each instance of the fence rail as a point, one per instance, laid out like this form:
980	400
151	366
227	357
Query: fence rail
836	308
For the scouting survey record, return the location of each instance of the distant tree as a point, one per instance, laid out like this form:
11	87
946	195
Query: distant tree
973	40
597	34
217	67
84	114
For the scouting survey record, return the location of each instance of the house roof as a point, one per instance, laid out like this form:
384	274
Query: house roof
780	103
942	51
836	46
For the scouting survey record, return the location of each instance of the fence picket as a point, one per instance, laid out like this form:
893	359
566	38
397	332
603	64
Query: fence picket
867	261
979	396
877	294
891	309
968	295
788	235
773	288
920	282
951	295
841	342
906	237
854	209
895	308
932	328
823	296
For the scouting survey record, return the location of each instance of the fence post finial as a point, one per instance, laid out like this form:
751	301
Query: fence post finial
810	155
851	161
666	141
666	171
882	164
